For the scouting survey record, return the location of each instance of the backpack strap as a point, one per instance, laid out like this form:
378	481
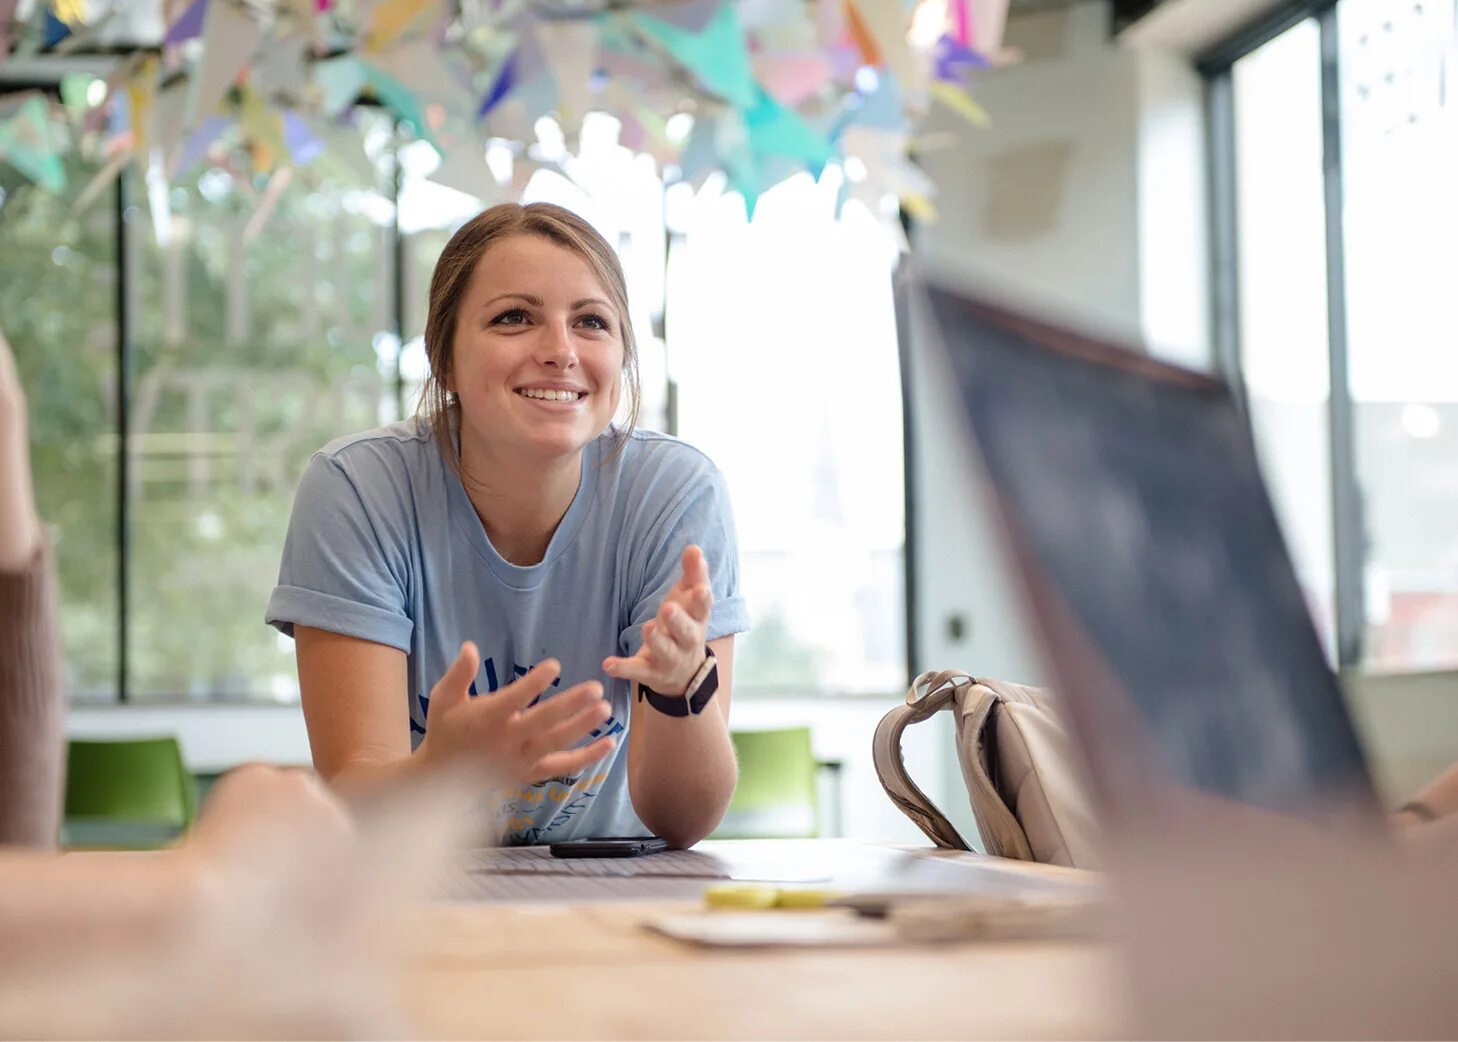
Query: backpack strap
930	693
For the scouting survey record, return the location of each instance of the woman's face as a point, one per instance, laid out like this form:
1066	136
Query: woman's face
538	351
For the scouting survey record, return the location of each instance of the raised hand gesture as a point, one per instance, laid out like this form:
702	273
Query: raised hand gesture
517	742
674	639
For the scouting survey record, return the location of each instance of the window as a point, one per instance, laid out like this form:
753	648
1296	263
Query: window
1400	223
782	337
253	344
58	306
1343	271
265	320
780	349
1281	230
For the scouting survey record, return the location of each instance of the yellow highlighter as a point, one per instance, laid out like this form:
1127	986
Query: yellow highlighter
758	895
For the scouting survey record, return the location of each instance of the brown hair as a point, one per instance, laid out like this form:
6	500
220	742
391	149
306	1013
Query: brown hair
453	274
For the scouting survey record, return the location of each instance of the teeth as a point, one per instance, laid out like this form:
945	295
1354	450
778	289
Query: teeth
549	395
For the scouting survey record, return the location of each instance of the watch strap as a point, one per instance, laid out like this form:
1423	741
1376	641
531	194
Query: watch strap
692	702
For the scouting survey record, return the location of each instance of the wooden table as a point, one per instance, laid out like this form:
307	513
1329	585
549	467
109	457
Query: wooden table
591	971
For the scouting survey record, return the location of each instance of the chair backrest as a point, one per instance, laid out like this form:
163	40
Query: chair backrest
777	794
128	792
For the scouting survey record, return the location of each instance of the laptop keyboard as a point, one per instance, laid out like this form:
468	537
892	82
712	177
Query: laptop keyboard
538	861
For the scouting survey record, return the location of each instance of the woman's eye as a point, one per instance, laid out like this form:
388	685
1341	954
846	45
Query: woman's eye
514	317
595	322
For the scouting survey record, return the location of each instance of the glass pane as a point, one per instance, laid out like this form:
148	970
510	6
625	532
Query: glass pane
782	337
1400	160
58	309
260	307
1281	226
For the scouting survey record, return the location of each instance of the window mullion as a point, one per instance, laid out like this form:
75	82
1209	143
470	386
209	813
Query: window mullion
1346	500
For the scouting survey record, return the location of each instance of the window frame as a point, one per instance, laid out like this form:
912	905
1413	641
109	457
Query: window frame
127	214
1216	68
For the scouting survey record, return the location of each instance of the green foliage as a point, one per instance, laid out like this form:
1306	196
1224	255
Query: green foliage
223	412
57	307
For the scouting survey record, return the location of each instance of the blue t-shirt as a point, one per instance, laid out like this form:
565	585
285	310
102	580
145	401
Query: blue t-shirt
384	545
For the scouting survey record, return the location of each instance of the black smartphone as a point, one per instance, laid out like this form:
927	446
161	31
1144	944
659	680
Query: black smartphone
610	846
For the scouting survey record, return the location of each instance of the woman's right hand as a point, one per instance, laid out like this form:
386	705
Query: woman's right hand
516	742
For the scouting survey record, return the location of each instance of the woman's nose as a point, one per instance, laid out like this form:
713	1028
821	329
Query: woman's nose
557	347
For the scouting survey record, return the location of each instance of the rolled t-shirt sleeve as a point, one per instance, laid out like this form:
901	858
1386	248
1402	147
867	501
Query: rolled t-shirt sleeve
702	517
341	569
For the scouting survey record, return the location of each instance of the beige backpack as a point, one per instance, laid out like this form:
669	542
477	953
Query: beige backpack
1022	768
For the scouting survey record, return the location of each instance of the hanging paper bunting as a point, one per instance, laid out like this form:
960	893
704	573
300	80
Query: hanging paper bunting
792	79
340	81
167	109
74	89
99	182
196	145
775	130
962	103
505	81
961	22
988	22
140	93
570	51
396	97
27	142
304	147
952	62
277	183
716	55
463	167
279	69
887	22
860	32
54	32
420	66
773	86
692	15
72	12
264	127
700	156
230	36
188	26
391	18
883	108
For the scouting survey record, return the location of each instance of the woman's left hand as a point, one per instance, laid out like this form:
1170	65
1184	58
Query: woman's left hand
673	641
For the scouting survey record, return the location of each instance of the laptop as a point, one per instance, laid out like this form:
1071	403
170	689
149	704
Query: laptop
1152	565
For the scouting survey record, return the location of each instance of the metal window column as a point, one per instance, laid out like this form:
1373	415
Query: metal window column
123	431
1348	537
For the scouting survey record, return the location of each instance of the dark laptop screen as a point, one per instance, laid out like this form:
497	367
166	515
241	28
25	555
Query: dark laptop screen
1133	490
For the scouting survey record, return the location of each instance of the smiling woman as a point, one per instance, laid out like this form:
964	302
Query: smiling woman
512	536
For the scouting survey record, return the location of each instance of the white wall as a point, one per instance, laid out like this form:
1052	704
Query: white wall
215	738
1086	201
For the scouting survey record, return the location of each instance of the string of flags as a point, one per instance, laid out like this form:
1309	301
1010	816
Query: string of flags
755	89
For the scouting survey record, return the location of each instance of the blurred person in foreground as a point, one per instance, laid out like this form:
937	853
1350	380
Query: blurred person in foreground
272	917
1237	923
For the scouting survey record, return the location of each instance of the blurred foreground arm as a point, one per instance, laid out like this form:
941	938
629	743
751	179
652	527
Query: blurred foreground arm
1439	800
256	926
32	705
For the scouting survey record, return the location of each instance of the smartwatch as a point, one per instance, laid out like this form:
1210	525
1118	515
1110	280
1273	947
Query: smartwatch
691	703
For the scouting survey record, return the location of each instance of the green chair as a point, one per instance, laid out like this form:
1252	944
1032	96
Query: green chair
134	793
778	794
